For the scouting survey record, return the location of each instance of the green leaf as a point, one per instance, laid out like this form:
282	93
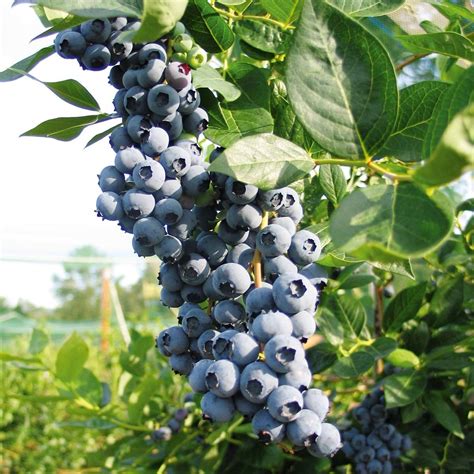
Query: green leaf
412	412
348	311
39	340
101	135
403	358
133	360
454	154
404	388
400	267
367	7
141	396
232	2
385	223
453	11
289	127
357	281
286	11
443	413
381	347
347	97
25	65
403	307
448	298
89	387
208	28
73	93
159	17
329	326
71	358
94	9
333	183
5	357
206	76
60	25
354	365
417	103
265	160
321	357
458	97
263	36
447	43
64	128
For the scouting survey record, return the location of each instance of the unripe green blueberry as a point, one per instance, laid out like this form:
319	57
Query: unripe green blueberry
197	57
183	43
179	57
179	29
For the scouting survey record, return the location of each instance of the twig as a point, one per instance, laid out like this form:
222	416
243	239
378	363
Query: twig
239	17
379	310
257	258
410	60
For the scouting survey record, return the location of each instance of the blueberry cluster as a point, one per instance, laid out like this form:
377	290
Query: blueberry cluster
239	341
173	426
376	445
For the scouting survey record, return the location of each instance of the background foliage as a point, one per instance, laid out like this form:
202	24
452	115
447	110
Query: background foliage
375	127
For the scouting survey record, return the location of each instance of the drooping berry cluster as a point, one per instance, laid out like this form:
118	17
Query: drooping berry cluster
173	426
375	445
239	342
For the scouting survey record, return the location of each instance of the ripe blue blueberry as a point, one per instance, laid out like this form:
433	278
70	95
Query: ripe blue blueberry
267	428
285	403
305	429
273	240
138	204
317	402
109	206
327	443
281	351
294	293
217	409
257	381
197	376
222	378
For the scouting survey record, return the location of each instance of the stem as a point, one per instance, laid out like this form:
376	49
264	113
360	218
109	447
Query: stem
239	17
410	60
379	310
339	161
126	425
394	176
257	258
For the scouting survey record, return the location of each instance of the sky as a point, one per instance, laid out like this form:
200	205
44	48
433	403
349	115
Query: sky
48	188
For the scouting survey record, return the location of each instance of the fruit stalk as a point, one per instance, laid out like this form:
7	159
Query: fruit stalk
257	259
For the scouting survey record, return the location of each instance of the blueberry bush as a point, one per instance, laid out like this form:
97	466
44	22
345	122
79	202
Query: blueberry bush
296	166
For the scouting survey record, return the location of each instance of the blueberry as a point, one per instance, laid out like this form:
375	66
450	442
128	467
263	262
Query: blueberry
257	381
365	455
148	231
304	325
267	428
276	266
243	349
151	74
294	293
281	351
168	277
120	139
395	441
118	23
176	161
299	376
171	189
290	201
305	429
142	250
194	269
240	193
118	103
138	204
285	222
173	341
197	376
70	44
127	158
378	412
194	150
109	206
178	75
196	181
317	402
206	341
213	249
229	313
217	409
126	224
168	211
383	454
119	48
243	406
260	299
196	57
244	217
387	468
154	142
181	364
174	425
316	274
130	77
241	254
406	444
189	100
162	434
163	100
184	227
97	30
271	200
269	324
169	249
183	43
171	299
327	443
231	280
196	122
360	468
149	175
273	240
195	322
152	51
111	179
305	248
358	442
135	101
285	403
172	125
221	345
222	378
374	441
231	236
96	57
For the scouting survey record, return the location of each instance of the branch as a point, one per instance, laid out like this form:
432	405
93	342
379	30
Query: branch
410	60
241	16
